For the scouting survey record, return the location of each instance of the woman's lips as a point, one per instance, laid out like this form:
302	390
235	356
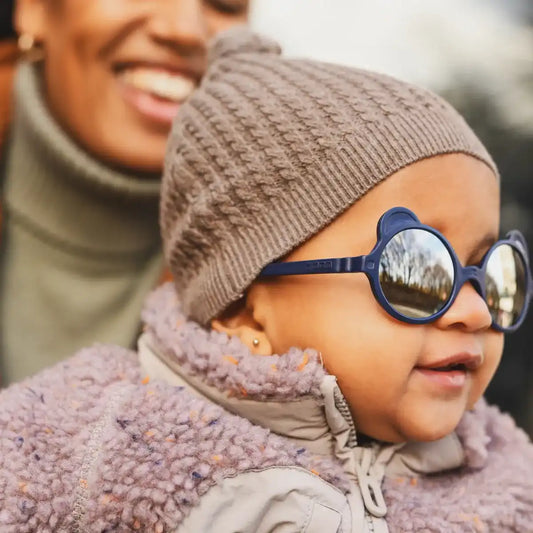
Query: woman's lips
154	92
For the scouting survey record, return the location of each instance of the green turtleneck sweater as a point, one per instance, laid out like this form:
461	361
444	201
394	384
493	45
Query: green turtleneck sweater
80	243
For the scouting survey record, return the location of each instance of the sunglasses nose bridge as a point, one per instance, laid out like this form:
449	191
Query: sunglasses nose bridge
473	275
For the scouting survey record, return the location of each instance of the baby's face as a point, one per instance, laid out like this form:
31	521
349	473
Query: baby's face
375	357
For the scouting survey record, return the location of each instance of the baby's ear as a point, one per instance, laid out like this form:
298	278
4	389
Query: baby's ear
238	321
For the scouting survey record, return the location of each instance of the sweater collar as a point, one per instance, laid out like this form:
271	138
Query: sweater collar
291	394
96	209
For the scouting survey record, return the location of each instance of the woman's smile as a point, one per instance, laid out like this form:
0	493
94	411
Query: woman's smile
154	91
116	72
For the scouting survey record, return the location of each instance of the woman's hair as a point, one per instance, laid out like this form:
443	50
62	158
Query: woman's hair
6	19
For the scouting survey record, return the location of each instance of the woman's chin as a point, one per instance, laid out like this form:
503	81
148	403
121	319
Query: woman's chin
141	154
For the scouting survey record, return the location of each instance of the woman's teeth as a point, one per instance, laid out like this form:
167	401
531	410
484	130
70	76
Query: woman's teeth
169	86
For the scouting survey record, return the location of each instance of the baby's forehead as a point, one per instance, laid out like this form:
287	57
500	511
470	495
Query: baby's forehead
456	194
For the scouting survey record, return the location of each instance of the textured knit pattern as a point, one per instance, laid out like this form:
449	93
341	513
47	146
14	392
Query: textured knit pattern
92	445
493	493
226	363
270	150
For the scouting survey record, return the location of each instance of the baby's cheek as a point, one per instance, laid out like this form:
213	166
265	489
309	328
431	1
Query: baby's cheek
483	375
493	353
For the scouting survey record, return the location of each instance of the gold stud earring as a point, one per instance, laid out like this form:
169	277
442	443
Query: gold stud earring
26	42
30	48
255	342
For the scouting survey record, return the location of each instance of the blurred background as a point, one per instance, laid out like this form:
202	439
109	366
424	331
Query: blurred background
476	53
6	10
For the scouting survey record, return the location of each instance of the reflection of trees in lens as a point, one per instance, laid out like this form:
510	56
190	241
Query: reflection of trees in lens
505	285
492	294
416	273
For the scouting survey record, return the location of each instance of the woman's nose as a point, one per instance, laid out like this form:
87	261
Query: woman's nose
179	23
469	312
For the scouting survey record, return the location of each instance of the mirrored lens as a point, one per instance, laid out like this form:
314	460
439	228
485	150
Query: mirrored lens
505	285
416	273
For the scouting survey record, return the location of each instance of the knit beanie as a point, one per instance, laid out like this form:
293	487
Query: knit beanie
269	150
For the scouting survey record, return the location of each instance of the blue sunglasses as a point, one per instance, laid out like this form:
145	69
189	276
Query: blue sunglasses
415	274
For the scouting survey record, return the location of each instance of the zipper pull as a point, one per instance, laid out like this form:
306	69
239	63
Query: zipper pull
370	485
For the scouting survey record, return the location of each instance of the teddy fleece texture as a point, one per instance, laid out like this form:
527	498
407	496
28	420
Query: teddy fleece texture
93	445
491	493
224	362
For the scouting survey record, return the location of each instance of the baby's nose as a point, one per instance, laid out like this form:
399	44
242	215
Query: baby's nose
469	312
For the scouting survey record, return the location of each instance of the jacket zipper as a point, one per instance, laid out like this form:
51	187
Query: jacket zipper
369	521
373	500
342	406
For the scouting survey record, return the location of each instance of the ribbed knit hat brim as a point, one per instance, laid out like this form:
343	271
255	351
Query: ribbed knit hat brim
269	150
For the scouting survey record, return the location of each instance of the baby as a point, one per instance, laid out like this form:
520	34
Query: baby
338	308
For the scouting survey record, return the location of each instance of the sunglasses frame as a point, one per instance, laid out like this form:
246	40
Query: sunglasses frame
390	224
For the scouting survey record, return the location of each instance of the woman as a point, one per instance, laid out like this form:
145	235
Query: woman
80	243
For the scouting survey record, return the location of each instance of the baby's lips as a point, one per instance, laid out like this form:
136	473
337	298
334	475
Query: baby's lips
468	360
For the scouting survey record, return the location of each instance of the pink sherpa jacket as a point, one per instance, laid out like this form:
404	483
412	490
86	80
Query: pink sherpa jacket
194	434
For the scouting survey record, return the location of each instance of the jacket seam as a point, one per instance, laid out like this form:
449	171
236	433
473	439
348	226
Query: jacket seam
308	514
287	467
91	457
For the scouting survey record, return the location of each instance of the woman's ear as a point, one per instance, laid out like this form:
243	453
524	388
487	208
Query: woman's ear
30	19
239	321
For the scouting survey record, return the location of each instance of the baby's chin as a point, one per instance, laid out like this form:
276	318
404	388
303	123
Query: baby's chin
428	432
413	433
424	423
430	422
